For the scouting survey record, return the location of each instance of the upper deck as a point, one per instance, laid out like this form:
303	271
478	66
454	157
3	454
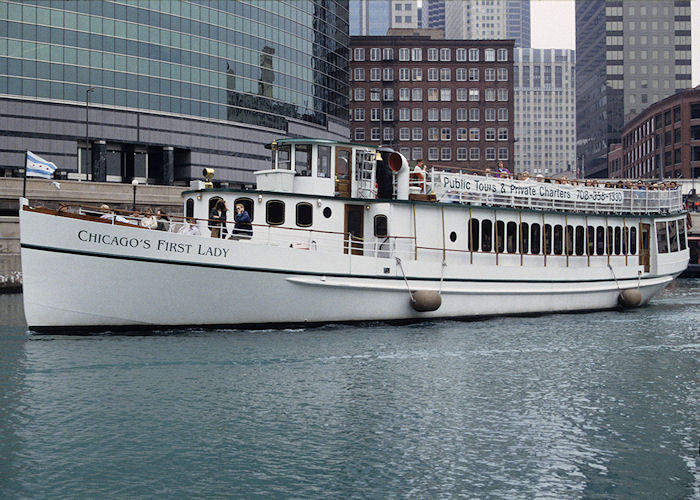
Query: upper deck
349	170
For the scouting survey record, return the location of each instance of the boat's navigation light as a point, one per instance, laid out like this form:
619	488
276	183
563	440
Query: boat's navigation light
208	174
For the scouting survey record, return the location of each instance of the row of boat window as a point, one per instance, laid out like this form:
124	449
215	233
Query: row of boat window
511	237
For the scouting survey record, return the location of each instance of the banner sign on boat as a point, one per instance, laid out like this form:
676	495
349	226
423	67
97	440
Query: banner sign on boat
476	185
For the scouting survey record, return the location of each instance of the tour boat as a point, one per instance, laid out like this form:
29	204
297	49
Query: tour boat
345	232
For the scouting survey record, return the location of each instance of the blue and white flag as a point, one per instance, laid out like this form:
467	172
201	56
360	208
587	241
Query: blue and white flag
38	167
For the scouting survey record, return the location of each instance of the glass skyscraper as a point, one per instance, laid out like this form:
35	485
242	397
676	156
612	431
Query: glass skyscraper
184	84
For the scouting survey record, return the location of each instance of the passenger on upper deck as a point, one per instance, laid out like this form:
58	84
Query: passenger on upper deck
111	215
149	220
217	219
243	227
190	227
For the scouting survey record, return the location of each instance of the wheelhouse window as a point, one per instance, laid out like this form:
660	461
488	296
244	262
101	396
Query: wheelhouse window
302	159
324	161
274	214
673	236
661	239
305	214
284	157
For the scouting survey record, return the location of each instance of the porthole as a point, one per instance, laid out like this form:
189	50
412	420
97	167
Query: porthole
327	212
453	236
275	212
305	214
380	226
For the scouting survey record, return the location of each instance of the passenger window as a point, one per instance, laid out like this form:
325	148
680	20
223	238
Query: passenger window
511	237
274	215
590	233
189	208
625	240
661	240
618	240
248	206
500	232
580	240
569	240
681	234
473	235
610	240
633	241
486	235
524	237
535	239
302	160
600	240
547	239
558	239
381	227
305	214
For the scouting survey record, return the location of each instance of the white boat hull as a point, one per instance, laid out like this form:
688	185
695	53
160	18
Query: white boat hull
74	280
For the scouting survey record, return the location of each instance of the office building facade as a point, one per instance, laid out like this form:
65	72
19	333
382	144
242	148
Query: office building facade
545	111
663	141
160	90
449	102
631	53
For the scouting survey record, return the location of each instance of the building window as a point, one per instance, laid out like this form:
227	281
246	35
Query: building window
445	74
502	134
474	95
474	154
417	134
388	134
489	75
433	134
359	114
490	134
375	54
433	114
417	94
404	134
461	55
416	153
374	134
462	94
404	114
388	114
388	74
417	114
502	114
473	55
474	115
490	154
445	114
502	153
446	94
375	74
502	55
417	74
445	154
375	94
461	154
359	94
462	134
502	94
388	94
404	54
374	114
359	134
432	54
490	115
473	74
445	134
462	114
445	54
417	54
388	54
490	94
433	94
461	74
433	74
404	94
404	74
489	55
502	74
359	74
359	55
474	134
433	154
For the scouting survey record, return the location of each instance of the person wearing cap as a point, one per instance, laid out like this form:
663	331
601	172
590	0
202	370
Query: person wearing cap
109	214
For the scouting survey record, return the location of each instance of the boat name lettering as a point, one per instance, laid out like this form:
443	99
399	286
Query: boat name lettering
109	239
145	243
474	185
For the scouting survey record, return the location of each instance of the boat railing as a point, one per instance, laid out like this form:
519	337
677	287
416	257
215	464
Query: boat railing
474	189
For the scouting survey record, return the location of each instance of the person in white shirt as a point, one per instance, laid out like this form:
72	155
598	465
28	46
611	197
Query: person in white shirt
190	227
149	221
109	214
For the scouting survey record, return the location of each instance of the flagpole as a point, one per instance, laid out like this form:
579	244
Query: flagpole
24	188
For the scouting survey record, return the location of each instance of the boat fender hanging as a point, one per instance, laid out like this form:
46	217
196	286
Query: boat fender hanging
630	297
425	300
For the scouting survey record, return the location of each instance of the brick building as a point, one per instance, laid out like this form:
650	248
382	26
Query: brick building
671	125
449	102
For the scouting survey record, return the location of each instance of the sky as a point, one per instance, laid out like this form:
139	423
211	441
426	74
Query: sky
553	27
